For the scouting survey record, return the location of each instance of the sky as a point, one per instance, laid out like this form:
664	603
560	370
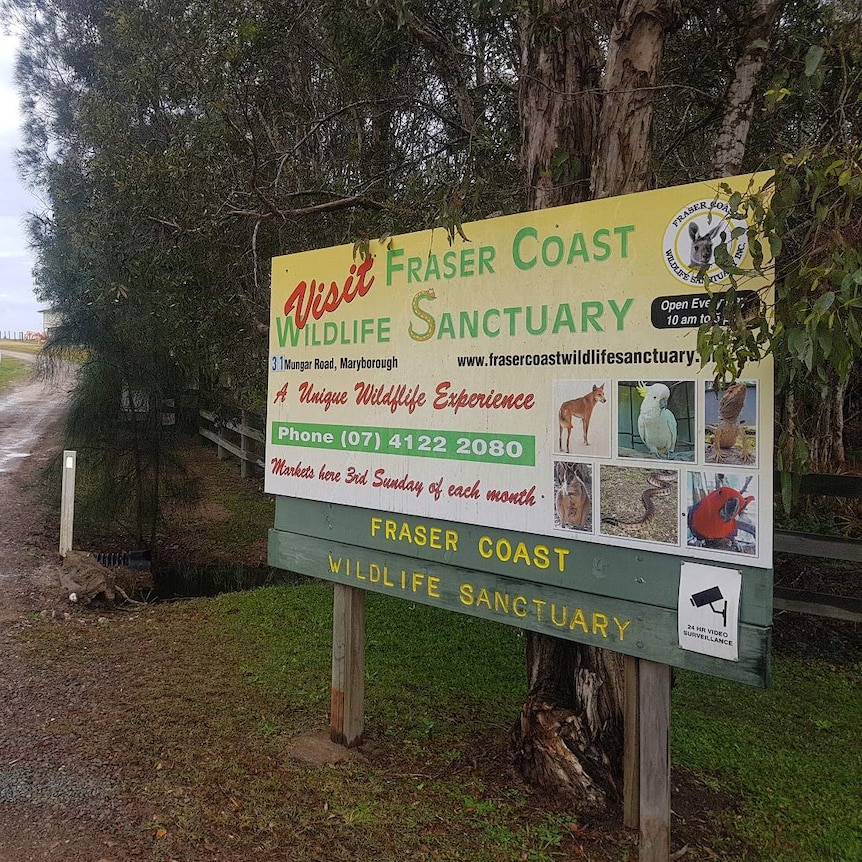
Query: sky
19	309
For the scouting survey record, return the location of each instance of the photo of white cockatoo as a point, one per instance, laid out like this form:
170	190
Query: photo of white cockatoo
656	423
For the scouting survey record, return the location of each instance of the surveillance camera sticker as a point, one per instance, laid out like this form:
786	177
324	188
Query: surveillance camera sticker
708	610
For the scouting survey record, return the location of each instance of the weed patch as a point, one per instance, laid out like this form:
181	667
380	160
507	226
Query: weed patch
13	370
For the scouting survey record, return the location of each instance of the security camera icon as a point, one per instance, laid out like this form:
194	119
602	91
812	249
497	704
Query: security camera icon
710	597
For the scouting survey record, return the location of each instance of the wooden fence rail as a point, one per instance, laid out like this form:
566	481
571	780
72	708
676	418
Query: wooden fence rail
29	335
813	544
237	439
847	608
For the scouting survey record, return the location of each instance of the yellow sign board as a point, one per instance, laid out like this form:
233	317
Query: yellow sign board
540	376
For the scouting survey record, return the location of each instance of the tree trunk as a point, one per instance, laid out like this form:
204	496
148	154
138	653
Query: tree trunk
558	102
555	741
739	102
623	153
569	736
819	421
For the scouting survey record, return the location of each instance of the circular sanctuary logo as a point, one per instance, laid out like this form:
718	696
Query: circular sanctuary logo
694	234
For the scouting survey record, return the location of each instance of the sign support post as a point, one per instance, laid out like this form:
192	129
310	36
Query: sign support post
347	713
654	721
631	745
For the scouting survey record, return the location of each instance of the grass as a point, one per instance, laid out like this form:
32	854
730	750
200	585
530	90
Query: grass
12	370
234	680
790	754
772	775
21	346
828	516
423	679
206	724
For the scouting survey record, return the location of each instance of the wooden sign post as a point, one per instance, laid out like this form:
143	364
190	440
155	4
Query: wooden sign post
346	717
631	745
654	782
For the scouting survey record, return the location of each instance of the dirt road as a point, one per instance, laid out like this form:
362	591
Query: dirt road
27	412
31	414
42	791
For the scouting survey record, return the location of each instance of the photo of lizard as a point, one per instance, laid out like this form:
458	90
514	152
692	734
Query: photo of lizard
731	424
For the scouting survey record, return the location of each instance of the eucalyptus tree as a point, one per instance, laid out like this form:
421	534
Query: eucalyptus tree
589	78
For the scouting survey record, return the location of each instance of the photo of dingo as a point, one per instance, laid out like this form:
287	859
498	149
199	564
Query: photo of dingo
579	408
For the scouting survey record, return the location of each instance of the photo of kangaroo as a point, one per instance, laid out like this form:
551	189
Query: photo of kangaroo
573	496
701	254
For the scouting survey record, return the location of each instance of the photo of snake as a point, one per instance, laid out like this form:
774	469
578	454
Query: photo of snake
640	503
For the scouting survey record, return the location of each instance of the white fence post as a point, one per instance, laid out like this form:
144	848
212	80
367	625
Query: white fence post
67	501
245	467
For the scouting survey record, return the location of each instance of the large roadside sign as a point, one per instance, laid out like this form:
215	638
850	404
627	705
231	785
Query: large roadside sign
517	426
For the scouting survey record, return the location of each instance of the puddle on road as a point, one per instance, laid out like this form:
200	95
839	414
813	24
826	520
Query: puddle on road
5	457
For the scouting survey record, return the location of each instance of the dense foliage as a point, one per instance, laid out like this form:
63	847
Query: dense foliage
180	145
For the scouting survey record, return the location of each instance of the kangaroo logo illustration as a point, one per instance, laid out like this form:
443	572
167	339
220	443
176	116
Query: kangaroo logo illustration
695	233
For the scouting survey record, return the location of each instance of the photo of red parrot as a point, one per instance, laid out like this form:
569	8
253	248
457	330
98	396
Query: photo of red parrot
721	518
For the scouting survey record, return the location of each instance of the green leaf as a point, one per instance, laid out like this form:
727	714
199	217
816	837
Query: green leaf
786	490
756	250
853	329
812	59
799	343
775	245
824	302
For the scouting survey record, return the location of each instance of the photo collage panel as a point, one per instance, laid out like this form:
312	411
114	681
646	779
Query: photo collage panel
662	462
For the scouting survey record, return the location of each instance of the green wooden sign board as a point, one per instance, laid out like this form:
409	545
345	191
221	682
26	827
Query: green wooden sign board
616	598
